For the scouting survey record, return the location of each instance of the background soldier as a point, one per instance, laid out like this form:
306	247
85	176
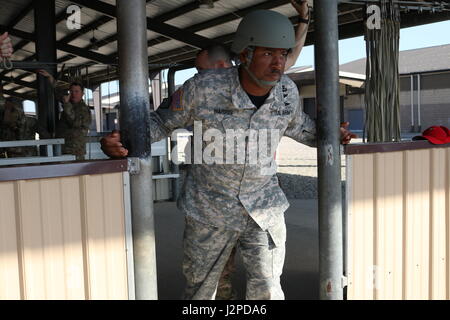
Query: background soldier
74	119
74	123
15	125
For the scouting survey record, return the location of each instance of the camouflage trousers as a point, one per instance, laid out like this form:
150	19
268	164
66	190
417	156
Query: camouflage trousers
207	249
225	289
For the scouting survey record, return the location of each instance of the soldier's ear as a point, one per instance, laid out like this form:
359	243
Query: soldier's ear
243	56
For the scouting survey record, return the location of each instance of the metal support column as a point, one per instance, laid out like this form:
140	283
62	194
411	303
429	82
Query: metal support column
97	98
135	129
328	150
174	168
45	30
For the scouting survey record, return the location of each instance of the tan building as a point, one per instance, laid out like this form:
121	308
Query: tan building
424	89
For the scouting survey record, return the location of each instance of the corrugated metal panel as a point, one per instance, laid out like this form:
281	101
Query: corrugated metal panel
63	238
417	227
388	225
360	236
399	225
9	262
439	181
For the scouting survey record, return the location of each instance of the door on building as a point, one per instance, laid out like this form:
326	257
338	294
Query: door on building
356	119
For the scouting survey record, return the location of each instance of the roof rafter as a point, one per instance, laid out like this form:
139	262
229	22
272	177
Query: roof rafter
152	24
62	46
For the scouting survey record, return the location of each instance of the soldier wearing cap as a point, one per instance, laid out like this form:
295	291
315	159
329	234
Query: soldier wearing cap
240	203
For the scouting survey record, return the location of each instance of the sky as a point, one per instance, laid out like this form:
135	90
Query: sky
354	48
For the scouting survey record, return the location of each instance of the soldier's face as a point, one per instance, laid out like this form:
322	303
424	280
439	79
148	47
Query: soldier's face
76	94
268	63
202	61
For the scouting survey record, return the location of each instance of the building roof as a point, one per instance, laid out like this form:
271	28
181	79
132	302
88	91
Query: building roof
411	61
305	75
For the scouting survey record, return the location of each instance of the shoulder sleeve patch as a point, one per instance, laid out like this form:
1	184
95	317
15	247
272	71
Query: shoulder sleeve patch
176	101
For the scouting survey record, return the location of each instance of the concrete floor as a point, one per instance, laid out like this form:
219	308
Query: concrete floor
301	268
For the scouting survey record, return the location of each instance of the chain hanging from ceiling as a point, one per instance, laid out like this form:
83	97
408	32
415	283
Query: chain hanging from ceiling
382	91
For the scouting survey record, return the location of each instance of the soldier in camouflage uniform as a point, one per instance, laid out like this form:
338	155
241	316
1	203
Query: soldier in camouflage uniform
74	118
15	125
2	129
74	122
216	57
237	204
225	289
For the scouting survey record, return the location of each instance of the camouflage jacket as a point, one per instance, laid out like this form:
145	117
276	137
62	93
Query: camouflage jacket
73	126
11	123
224	194
15	125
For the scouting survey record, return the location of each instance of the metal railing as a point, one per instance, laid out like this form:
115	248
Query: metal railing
53	152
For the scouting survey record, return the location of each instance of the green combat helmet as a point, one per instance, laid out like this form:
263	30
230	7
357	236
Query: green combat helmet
263	28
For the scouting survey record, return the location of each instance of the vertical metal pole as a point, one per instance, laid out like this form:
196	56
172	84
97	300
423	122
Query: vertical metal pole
412	103
419	121
328	150
135	129
173	144
45	31
97	98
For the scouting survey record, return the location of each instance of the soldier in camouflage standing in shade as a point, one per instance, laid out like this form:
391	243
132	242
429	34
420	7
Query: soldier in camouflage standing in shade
74	122
15	125
74	118
10	124
238	203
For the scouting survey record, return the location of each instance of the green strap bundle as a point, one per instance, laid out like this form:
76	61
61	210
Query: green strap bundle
382	91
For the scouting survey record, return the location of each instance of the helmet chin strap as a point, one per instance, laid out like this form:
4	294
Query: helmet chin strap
259	82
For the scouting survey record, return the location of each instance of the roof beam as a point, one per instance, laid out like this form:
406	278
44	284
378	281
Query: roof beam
62	46
22	43
178	11
23	96
85	29
152	24
161	18
236	15
26	84
60	17
22	14
224	19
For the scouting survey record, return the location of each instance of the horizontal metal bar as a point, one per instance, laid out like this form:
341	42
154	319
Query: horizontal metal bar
413	3
26	160
420	6
23	143
165	176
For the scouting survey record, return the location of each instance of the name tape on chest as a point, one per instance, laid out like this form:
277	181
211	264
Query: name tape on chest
283	112
223	111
